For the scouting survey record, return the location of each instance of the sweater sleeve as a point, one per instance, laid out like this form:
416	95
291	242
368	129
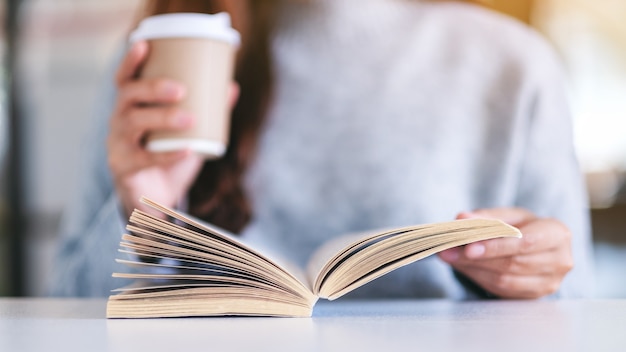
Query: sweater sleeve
92	224
551	182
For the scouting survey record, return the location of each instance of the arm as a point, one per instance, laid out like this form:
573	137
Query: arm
118	171
552	206
115	169
92	222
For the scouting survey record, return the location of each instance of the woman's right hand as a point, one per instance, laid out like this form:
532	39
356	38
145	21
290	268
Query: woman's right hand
145	105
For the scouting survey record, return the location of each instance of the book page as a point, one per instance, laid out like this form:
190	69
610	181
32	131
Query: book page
258	247
202	242
280	260
323	255
364	259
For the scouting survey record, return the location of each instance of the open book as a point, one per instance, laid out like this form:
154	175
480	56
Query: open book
186	268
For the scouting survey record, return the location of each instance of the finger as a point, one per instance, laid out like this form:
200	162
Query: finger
124	162
150	92
140	121
513	286
168	158
450	255
538	235
510	215
126	152
234	94
554	262
131	63
494	248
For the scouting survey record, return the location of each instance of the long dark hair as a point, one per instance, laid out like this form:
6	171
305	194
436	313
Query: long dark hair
218	195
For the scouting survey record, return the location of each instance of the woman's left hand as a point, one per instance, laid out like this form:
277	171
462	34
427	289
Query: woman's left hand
530	267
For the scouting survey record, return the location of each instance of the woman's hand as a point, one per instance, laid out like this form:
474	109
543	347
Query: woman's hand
145	105
530	267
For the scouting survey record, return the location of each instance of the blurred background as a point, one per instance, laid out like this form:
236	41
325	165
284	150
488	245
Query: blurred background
57	54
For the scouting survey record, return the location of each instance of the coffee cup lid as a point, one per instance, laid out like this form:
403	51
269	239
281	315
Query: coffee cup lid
187	25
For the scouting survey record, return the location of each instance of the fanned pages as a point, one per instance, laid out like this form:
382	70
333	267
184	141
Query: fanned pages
182	267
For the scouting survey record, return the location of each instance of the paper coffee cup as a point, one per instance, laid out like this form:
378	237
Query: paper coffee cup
197	50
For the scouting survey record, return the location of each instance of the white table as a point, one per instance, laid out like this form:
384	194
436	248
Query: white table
427	325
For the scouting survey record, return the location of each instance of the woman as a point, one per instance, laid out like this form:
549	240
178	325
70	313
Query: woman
352	115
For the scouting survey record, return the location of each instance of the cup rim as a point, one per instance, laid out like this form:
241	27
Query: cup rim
187	25
203	146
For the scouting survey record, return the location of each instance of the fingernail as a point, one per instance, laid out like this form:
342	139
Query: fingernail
171	90
140	45
183	120
475	250
450	255
466	215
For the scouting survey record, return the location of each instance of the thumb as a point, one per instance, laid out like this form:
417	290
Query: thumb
131	63
233	96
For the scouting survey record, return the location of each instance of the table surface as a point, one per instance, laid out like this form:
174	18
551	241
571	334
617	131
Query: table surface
427	325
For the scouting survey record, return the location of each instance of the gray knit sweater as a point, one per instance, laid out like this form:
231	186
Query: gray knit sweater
385	113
